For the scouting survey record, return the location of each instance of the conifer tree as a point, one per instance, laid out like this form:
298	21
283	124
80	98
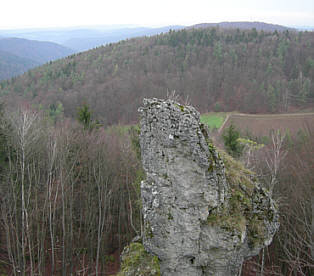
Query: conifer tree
231	142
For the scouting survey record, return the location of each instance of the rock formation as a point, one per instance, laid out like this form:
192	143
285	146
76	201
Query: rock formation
203	212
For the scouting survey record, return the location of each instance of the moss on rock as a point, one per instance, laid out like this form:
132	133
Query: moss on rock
247	209
135	261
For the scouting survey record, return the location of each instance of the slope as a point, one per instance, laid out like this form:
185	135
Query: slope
245	25
85	41
38	51
11	65
216	69
84	38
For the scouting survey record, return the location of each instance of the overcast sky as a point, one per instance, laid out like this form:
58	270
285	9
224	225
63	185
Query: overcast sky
63	13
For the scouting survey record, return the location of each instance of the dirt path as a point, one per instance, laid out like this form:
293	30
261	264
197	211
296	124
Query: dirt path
223	124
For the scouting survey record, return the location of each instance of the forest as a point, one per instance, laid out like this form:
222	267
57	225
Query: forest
11	65
19	55
217	69
70	167
70	198
69	195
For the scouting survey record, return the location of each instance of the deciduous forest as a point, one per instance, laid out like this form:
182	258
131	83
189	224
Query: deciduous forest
70	171
217	69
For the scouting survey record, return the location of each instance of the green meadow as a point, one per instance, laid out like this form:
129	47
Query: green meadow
213	120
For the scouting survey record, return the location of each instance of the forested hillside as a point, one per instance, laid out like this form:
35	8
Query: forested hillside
40	51
12	65
19	55
246	25
217	69
82	42
69	192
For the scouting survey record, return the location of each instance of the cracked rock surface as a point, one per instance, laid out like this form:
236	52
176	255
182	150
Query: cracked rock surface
197	220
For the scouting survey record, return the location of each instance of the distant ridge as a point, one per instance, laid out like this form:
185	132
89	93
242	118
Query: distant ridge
38	51
18	55
12	65
245	25
85	38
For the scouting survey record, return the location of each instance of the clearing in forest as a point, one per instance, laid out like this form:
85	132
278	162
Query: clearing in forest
213	120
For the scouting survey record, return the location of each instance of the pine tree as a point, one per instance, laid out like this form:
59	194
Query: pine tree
84	116
231	142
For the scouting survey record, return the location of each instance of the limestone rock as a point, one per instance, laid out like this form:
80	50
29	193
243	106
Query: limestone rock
200	219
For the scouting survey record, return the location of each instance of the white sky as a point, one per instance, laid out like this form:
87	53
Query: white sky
64	13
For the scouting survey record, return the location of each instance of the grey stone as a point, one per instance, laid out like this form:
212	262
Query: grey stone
191	217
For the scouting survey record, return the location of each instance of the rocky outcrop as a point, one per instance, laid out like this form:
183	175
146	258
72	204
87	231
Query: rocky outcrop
204	213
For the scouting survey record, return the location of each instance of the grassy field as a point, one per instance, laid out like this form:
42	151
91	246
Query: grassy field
261	125
213	120
256	125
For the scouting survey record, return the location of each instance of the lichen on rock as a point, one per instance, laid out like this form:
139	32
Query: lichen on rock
204	213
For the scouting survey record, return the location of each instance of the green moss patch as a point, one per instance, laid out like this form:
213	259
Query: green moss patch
243	210
137	262
240	179
181	107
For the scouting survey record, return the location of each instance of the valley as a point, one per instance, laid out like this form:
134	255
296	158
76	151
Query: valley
216	69
70	156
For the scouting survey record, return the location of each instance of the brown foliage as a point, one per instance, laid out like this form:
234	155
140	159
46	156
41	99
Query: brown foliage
242	70
290	252
68	196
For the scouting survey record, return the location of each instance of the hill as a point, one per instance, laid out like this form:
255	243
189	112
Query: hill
216	69
245	25
85	38
38	51
19	55
85	41
11	65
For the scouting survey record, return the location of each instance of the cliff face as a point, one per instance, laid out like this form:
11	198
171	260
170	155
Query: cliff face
200	217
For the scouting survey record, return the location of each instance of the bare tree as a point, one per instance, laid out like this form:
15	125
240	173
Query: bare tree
69	198
23	138
275	156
